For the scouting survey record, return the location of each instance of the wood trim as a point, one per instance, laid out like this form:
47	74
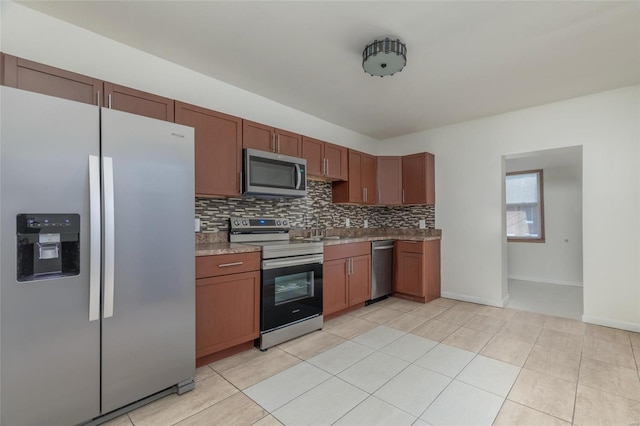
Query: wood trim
208	359
541	239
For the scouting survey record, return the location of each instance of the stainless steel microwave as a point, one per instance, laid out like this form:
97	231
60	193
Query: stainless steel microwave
272	175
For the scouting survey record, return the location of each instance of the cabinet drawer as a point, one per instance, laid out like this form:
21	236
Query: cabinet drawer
341	251
225	264
410	246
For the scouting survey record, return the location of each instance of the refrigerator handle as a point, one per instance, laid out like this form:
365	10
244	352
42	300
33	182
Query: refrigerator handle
94	238
109	235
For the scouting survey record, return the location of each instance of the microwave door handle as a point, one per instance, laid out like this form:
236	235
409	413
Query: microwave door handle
298	176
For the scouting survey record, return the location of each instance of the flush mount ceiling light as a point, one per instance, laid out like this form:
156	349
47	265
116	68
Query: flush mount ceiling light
384	57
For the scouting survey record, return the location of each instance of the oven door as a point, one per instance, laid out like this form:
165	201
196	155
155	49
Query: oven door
291	290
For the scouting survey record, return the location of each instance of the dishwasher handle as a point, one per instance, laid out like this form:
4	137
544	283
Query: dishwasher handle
384	247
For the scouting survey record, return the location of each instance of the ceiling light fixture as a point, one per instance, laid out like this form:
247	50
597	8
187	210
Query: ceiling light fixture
384	57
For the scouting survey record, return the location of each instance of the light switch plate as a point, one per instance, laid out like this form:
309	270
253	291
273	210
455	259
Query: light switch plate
347	223
197	224
423	224
366	223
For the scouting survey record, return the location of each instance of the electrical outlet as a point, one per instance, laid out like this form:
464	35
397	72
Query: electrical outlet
347	223
366	223
422	224
197	224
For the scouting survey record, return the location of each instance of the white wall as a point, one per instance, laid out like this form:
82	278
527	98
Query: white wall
469	196
559	259
39	37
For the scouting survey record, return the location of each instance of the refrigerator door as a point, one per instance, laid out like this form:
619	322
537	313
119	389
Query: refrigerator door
49	348
148	330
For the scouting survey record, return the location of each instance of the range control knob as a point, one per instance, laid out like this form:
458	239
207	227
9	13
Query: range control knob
284	222
245	223
236	222
278	222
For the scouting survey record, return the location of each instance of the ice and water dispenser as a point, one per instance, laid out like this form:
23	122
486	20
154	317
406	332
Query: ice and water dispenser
48	246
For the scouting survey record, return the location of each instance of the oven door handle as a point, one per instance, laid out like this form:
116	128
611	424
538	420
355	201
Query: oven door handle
283	263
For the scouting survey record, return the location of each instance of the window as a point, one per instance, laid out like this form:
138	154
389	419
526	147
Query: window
525	206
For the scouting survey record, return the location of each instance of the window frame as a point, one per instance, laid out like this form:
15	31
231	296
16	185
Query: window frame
541	238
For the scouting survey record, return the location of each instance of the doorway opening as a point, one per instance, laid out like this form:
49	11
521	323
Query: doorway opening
542	210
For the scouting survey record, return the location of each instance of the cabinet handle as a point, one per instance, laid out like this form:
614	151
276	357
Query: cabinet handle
225	265
403	196
366	194
273	142
278	143
409	241
349	266
326	167
109	100
98	98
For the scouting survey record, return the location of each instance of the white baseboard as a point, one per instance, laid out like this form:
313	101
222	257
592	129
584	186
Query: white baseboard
545	280
472	299
607	322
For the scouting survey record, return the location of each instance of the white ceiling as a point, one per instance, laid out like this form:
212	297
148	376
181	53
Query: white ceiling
465	60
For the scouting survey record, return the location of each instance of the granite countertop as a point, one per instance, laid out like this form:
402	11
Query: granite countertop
223	247
212	249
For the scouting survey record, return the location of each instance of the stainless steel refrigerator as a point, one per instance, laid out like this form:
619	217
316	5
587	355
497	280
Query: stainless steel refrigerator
97	280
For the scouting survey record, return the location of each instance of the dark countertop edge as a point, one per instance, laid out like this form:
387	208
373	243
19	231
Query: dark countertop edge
214	249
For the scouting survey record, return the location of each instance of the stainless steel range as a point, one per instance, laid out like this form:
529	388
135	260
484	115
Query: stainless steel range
291	291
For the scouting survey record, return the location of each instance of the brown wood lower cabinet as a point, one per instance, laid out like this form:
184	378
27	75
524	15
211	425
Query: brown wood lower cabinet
418	270
346	276
227	304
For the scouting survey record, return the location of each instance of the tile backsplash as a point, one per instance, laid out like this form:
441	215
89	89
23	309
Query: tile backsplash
302	212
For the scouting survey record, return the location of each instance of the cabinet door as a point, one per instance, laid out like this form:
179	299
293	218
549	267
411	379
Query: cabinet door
227	311
288	143
360	280
336	161
335	295
389	170
34	77
313	152
409	273
218	149
356	193
418	178
134	101
432	269
369	178
258	136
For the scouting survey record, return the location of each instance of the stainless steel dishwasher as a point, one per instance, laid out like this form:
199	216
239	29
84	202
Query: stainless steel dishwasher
381	269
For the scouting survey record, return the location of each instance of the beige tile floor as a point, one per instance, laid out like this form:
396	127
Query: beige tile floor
398	362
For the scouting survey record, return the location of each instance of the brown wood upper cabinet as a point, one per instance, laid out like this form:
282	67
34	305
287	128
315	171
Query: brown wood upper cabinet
361	186
267	138
324	160
418	179
35	77
390	180
218	149
137	102
406	180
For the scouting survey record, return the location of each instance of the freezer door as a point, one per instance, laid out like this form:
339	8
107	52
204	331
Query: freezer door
49	348
148	330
